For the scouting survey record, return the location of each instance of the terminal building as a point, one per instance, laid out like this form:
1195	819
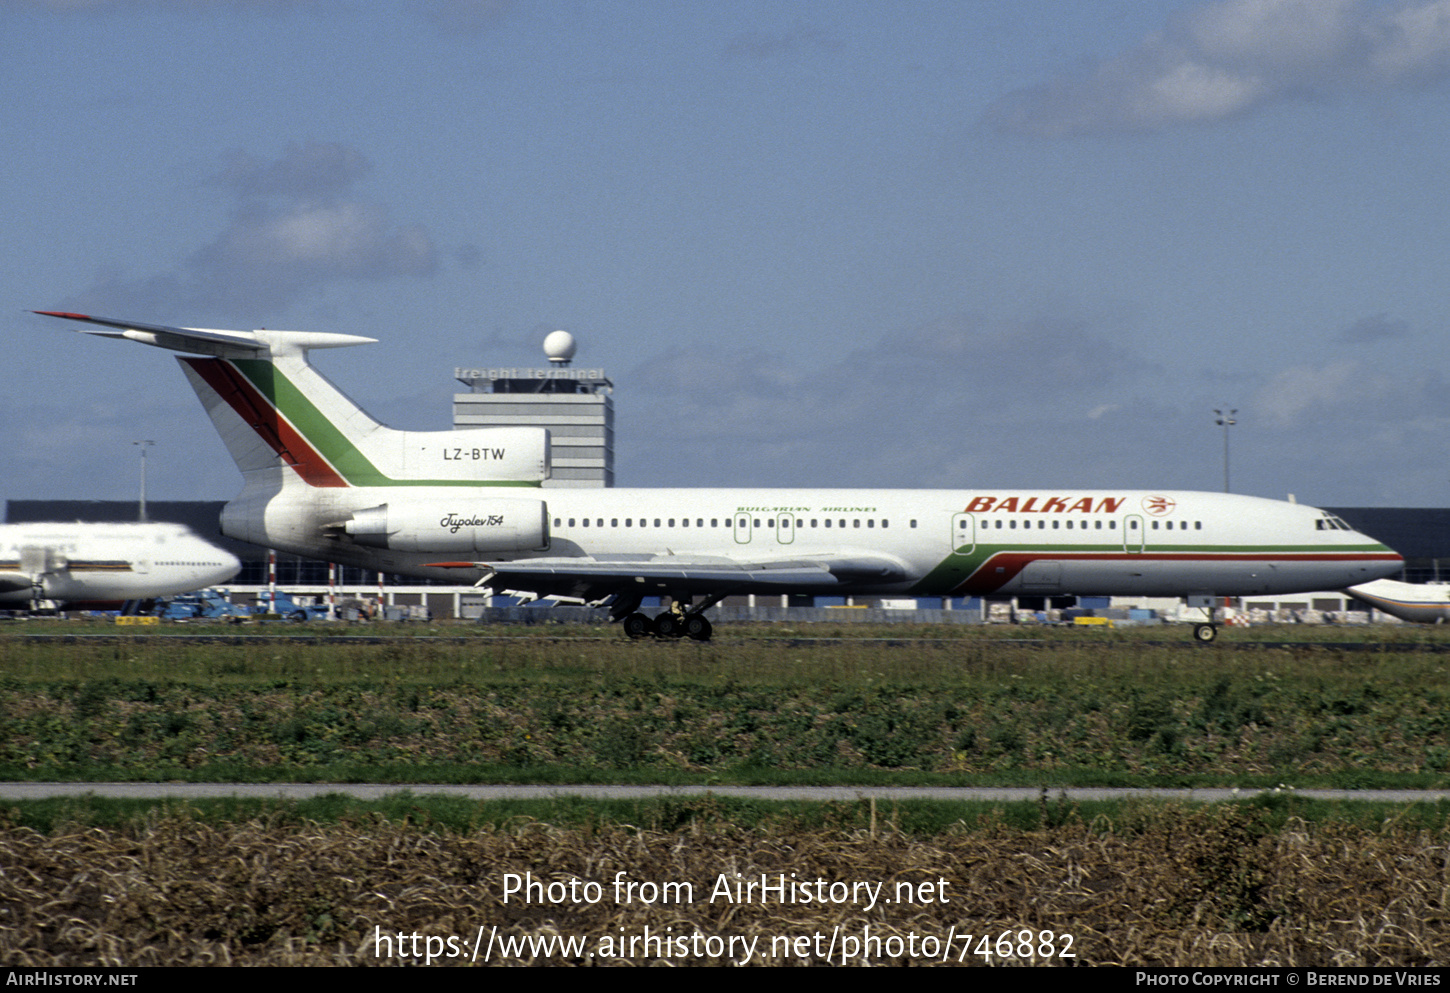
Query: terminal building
574	404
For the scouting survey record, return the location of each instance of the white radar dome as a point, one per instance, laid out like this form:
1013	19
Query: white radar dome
559	346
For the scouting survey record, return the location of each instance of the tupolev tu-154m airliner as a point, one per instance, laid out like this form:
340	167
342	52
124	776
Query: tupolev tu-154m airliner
324	480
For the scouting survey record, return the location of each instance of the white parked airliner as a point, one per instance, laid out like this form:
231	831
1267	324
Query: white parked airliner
324	480
104	564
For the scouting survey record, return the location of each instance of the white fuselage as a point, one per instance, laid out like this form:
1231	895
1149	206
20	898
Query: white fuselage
948	542
105	563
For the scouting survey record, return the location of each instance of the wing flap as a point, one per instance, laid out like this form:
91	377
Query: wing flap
592	578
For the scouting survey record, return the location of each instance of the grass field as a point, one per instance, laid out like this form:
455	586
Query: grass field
759	707
1265	881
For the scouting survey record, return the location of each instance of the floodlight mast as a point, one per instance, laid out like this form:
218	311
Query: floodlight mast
1224	418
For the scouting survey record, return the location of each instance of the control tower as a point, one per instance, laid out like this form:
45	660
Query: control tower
574	404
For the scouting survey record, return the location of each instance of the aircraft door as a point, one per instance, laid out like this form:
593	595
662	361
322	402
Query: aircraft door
964	534
743	529
785	528
1133	536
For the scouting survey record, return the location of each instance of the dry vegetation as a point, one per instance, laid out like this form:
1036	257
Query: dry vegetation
1168	886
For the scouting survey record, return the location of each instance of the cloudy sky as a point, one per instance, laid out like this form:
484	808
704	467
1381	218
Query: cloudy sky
998	243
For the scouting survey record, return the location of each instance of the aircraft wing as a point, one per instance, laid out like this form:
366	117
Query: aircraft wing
591	578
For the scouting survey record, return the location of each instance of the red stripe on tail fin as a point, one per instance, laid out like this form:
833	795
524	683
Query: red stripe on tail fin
254	409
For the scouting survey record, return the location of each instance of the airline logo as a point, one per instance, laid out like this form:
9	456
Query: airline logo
1158	505
1044	505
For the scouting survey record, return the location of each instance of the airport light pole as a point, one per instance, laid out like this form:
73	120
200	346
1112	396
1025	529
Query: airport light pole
143	446
1225	420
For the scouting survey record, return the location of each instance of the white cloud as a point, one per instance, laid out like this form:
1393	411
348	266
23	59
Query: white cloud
1348	395
1231	57
295	230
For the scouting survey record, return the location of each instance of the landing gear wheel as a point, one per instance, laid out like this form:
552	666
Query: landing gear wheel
1204	633
669	625
698	626
636	625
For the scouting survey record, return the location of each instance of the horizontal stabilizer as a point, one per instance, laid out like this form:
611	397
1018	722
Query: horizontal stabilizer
208	341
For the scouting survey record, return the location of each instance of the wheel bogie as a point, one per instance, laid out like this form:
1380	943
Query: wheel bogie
698	627
669	625
636	625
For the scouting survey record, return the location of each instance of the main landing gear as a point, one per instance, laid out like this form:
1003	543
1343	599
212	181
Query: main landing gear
680	621
1204	633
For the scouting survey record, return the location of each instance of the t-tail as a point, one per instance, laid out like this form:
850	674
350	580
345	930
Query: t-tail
288	429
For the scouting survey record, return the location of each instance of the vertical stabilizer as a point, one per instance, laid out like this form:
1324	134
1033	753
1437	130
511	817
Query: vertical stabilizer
277	414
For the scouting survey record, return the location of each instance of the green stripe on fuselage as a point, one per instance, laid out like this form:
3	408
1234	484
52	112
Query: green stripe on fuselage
328	439
952	571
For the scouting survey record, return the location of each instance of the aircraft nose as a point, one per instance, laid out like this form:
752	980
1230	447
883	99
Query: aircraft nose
1389	563
228	565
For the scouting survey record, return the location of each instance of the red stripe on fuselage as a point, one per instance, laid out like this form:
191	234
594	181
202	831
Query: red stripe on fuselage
257	411
1012	563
